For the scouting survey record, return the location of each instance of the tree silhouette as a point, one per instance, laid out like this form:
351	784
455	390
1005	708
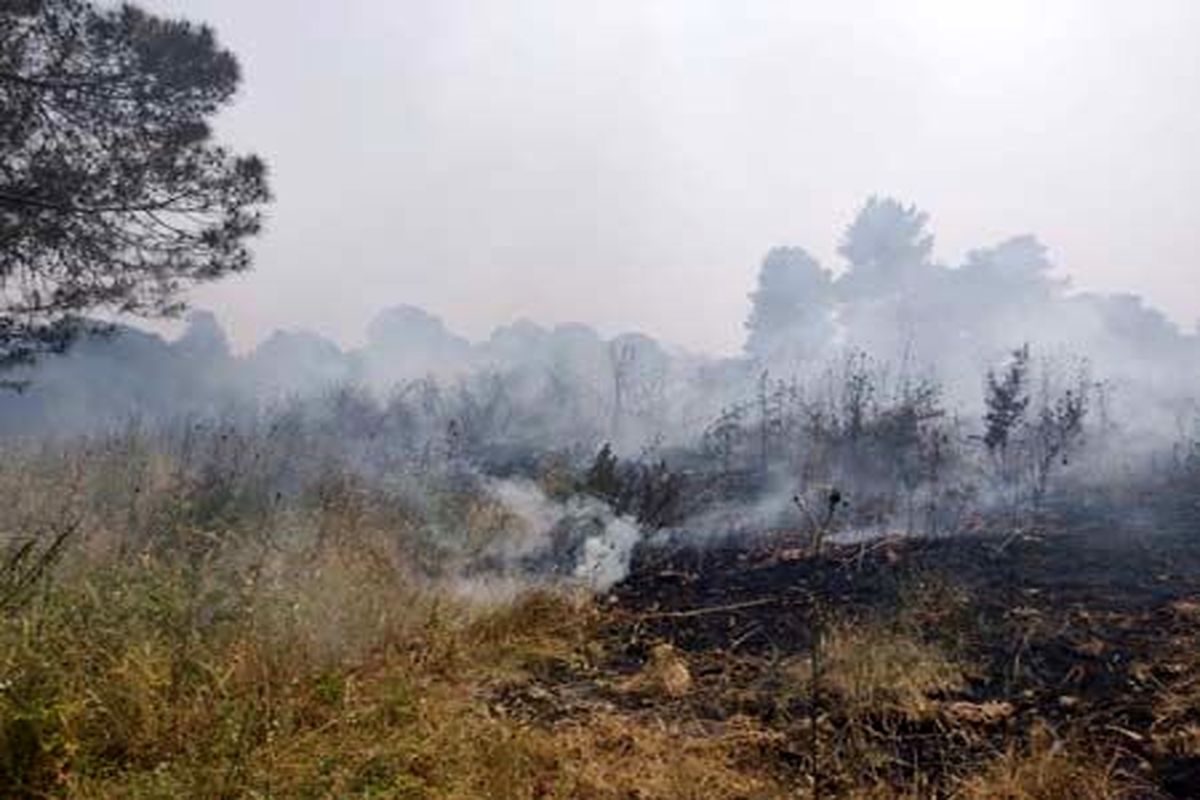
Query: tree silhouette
886	246
113	197
792	307
1006	400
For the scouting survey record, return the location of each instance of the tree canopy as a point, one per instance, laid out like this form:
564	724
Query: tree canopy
791	306
886	247
113	196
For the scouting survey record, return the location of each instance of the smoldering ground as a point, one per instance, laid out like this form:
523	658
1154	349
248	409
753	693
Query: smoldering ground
886	379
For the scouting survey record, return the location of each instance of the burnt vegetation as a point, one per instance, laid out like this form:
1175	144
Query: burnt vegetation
932	534
842	583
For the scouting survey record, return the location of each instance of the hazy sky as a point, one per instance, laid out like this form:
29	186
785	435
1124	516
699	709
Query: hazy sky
628	162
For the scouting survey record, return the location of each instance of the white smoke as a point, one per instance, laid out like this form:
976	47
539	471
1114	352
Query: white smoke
606	557
595	544
537	513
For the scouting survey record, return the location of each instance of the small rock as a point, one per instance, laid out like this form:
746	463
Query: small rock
669	672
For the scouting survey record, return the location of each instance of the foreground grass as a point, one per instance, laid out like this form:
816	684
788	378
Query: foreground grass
199	638
209	632
333	675
330	677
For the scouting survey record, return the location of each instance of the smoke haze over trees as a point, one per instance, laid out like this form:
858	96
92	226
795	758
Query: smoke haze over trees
889	301
877	373
928	527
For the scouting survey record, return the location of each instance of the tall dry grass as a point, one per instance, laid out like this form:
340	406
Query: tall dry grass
221	622
217	628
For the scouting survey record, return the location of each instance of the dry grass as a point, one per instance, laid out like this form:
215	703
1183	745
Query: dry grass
1047	768
611	756
202	640
870	669
141	683
342	679
147	681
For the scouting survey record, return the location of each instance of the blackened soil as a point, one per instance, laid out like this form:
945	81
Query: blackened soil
1092	633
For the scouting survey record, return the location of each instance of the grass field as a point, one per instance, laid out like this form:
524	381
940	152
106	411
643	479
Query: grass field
165	635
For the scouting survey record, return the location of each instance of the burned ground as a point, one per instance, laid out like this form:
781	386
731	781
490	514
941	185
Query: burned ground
343	642
1080	639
